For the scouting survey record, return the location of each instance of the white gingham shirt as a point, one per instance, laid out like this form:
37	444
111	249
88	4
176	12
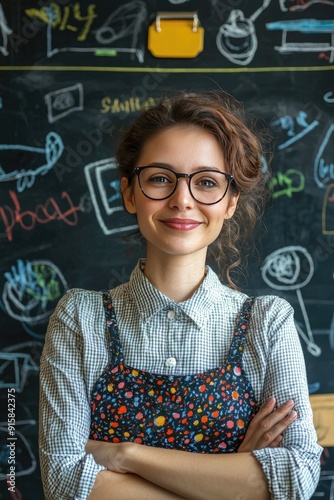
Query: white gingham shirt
197	334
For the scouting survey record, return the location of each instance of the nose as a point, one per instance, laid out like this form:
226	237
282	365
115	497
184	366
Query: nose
182	198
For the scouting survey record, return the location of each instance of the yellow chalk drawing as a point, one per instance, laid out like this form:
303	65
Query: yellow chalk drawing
53	14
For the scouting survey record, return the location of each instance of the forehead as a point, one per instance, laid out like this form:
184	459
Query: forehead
182	145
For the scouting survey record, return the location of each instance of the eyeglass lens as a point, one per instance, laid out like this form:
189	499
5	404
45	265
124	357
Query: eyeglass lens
207	187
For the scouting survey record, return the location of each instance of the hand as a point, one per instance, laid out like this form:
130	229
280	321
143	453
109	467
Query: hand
111	455
267	427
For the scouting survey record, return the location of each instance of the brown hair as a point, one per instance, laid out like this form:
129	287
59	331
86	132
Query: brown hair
224	118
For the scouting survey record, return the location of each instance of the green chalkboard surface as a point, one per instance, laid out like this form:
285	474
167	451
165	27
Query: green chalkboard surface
73	74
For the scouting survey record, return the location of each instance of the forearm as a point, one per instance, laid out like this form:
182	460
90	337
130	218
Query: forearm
190	475
113	486
200	476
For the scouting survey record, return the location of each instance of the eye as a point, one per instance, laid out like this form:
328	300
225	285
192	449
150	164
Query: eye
206	182
158	179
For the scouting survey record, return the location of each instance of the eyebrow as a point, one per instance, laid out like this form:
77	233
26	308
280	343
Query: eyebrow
196	169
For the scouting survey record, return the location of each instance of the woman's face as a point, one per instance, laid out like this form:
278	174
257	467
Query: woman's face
179	225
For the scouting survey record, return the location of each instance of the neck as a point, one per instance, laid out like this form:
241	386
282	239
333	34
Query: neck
177	277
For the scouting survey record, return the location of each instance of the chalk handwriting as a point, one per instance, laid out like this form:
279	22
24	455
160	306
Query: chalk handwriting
50	210
285	184
291	268
32	290
5	31
133	104
25	178
288	124
60	18
324	163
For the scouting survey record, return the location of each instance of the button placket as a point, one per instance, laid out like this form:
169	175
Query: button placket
170	362
171	314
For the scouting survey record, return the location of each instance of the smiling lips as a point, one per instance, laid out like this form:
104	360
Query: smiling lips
181	224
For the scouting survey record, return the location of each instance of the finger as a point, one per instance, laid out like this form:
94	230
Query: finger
283	424
276	416
265	410
274	431
276	442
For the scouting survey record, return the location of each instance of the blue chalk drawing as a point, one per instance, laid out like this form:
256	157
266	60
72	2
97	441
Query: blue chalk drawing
25	178
307	26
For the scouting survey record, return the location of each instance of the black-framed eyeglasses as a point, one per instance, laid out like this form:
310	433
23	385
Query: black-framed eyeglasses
207	186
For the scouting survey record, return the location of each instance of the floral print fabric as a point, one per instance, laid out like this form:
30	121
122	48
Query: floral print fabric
205	412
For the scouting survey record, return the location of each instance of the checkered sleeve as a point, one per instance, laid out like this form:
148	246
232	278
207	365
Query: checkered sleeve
67	471
293	469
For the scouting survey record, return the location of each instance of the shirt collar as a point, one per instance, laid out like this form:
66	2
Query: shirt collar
149	300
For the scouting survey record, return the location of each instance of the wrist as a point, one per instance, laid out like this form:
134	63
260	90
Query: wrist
128	458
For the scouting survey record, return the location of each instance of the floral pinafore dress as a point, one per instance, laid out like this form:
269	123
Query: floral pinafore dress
204	412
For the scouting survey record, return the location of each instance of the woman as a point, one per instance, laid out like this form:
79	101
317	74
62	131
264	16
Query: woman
174	385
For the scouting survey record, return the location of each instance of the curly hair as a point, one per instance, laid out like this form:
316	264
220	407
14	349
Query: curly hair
223	117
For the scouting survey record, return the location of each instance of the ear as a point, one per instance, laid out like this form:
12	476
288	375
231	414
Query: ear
128	196
232	206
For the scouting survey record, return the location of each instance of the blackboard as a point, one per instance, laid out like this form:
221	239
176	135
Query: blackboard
72	73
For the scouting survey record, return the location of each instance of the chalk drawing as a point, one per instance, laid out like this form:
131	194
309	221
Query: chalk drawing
325	488
25	178
305	26
124	23
288	124
17	363
303	5
14	369
236	39
329	97
32	290
106	196
68	18
64	101
324	160
5	30
287	183
291	268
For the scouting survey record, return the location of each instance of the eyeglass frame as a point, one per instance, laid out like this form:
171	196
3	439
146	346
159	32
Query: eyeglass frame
178	176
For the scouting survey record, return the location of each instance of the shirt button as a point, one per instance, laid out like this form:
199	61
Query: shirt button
170	362
171	314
